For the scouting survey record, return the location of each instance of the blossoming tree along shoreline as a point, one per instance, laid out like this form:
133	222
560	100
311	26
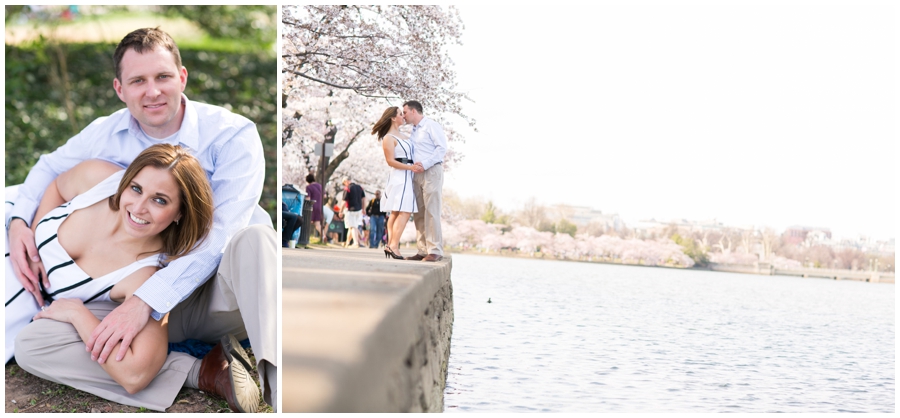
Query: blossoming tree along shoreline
535	230
343	65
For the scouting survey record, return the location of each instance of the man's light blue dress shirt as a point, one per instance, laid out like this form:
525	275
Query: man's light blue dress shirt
229	149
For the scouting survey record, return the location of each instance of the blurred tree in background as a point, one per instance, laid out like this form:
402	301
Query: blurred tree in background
54	87
247	23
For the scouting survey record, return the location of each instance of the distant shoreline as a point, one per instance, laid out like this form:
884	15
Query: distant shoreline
884	277
552	258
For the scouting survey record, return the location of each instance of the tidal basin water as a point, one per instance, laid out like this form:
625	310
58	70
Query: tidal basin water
564	336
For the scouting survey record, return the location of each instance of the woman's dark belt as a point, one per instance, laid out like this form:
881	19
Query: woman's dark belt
404	160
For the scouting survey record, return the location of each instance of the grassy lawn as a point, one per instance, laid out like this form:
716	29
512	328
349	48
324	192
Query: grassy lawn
28	393
110	28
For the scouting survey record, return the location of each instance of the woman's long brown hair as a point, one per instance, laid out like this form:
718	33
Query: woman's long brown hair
196	196
383	125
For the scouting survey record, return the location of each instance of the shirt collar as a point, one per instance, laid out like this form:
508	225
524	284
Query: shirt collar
188	134
421	123
190	127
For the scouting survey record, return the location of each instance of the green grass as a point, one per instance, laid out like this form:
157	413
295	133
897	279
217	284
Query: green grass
186	32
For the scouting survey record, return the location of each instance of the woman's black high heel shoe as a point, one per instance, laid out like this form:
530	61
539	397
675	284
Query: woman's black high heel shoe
389	252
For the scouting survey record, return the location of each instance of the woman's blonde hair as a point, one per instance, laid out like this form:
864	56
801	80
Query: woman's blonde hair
196	196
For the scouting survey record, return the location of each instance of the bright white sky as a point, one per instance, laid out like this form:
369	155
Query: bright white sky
752	113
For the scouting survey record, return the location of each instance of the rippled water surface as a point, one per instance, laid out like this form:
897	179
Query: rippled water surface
578	337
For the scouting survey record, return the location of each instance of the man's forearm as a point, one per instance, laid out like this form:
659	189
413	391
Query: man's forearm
30	194
437	157
48	167
171	285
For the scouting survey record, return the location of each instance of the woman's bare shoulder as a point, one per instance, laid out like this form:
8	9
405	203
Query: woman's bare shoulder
94	171
85	175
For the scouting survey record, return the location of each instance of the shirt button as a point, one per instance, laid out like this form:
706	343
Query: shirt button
168	304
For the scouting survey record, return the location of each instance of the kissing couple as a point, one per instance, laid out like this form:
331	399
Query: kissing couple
416	180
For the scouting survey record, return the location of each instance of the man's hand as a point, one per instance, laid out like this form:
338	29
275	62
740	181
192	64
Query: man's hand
418	168
37	268
24	256
122	324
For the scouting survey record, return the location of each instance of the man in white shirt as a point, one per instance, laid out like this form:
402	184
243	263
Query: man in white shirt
239	254
429	147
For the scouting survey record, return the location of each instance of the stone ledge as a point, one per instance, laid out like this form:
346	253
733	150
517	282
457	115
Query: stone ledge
361	333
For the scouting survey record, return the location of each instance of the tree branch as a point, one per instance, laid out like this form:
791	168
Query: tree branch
338	159
337	86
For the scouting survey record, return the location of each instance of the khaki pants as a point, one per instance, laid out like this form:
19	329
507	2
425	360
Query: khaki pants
427	187
240	299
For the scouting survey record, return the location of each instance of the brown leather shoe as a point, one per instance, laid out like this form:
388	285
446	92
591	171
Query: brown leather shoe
416	257
224	373
433	257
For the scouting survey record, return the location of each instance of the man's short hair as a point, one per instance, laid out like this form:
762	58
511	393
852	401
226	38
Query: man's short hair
146	39
412	104
345	180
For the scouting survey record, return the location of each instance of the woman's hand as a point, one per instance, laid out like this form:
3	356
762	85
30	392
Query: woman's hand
62	310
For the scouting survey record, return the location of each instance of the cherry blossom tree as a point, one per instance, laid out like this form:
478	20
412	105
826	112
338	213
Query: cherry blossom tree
477	234
734	258
344	65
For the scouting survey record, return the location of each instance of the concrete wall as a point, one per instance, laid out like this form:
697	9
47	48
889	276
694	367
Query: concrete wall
364	334
757	268
836	274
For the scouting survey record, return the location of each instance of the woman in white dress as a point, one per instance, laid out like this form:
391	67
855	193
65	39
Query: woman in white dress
398	194
101	232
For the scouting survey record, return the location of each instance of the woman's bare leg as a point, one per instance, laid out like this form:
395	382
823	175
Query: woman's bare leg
388	229
400	221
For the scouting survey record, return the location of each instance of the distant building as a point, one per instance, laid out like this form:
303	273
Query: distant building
795	235
584	216
648	228
868	245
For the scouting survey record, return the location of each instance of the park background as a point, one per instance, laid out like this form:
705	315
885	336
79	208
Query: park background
59	73
667	133
639	132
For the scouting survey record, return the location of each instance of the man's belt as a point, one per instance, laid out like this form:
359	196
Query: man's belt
403	160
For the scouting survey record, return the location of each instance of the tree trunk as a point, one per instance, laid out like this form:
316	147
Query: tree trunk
338	159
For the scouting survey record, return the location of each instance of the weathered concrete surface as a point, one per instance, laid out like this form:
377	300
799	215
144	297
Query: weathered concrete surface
361	333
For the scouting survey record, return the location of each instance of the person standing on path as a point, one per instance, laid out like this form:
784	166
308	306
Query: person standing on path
354	196
376	220
314	193
290	223
429	147
399	201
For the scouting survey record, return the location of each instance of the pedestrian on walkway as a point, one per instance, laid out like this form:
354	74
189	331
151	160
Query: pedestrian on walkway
376	221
